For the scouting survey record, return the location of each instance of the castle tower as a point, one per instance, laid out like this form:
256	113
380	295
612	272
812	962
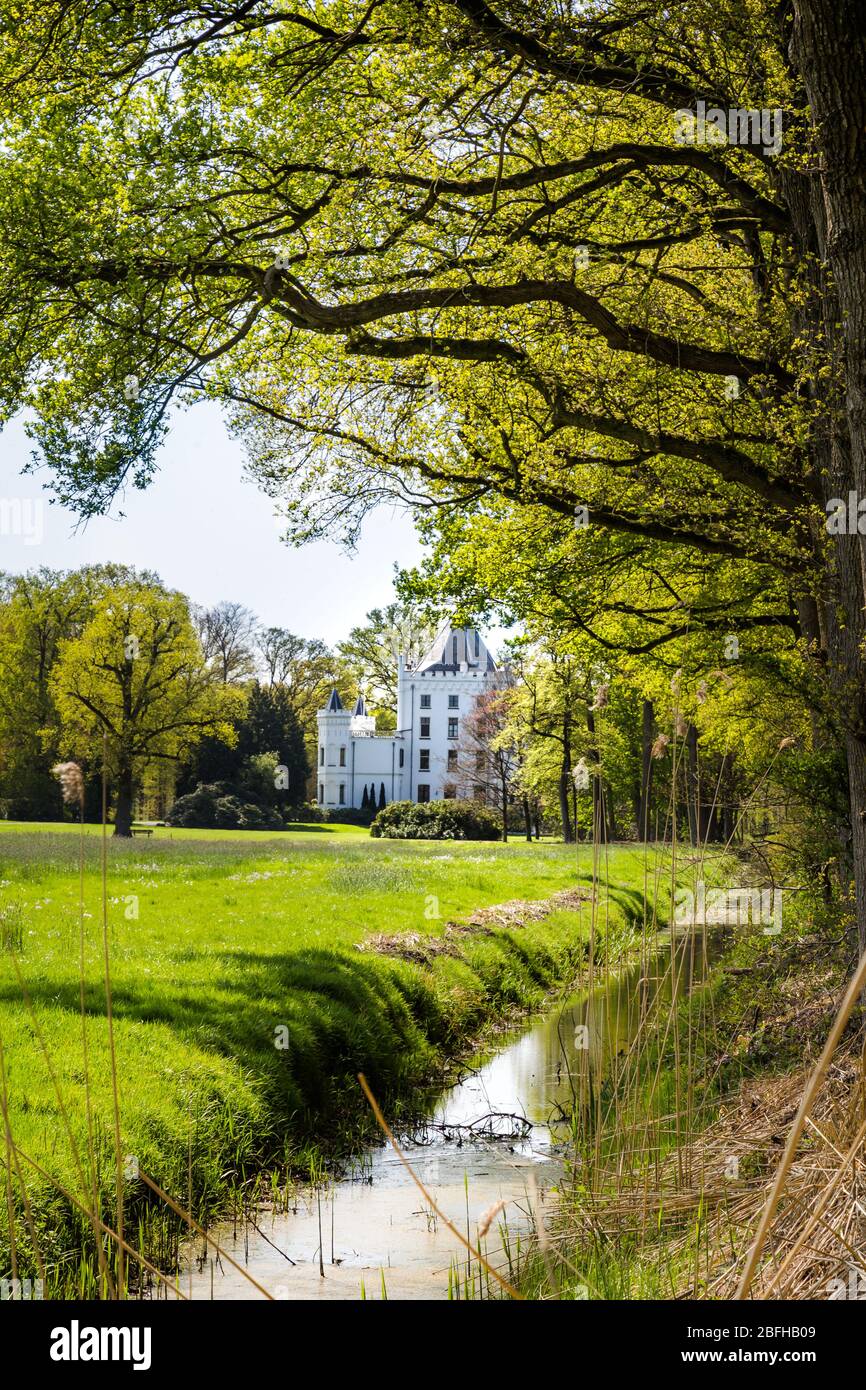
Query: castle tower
419	760
333	764
437	695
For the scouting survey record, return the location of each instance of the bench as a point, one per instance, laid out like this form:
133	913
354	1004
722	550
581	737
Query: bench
142	830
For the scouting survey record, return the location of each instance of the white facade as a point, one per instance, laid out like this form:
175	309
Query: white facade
418	761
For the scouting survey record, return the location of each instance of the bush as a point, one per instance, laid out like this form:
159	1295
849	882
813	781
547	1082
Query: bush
218	806
349	815
234	814
310	813
436	820
313	814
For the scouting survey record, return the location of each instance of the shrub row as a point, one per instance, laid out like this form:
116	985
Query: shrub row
226	806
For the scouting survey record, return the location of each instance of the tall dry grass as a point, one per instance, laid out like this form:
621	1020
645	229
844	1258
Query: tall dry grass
678	1190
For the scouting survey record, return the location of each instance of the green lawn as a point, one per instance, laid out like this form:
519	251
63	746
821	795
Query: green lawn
224	944
164	832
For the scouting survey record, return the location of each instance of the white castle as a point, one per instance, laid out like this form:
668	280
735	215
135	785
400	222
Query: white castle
419	760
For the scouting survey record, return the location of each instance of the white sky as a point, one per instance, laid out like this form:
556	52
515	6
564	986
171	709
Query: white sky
210	533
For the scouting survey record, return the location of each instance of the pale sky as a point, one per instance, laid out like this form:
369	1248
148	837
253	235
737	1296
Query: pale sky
209	532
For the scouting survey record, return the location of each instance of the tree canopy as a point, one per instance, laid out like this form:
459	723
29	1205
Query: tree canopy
486	259
135	680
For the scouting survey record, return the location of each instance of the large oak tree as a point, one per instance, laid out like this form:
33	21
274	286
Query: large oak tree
135	683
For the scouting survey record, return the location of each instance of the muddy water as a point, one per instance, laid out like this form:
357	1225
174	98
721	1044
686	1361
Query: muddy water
498	1135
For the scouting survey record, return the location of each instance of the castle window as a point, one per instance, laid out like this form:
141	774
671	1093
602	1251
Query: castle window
449	791
454	649
424	764
477	644
321	757
425	701
342	793
402	755
321	791
452	759
423	791
425	728
453	701
452	728
342	757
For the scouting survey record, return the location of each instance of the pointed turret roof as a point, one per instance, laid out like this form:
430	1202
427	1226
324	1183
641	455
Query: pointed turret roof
360	707
335	703
452	646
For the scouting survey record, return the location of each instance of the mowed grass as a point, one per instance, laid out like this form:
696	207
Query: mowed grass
165	832
243	1010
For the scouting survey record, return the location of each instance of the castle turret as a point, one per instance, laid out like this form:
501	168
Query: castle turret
362	723
333	762
402	713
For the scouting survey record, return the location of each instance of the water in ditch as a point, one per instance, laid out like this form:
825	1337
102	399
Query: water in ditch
499	1135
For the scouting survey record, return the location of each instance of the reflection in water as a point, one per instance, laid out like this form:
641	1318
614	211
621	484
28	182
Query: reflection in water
375	1232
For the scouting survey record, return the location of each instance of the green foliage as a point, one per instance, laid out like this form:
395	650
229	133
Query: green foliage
370	653
310	813
39	611
559	308
221	807
136	674
436	820
348	815
271	728
301	674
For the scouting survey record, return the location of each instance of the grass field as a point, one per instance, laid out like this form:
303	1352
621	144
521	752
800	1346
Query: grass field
242	1009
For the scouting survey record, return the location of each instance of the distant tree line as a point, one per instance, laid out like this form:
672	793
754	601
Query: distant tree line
207	718
201	713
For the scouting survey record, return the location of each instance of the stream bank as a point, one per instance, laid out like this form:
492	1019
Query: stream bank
500	1135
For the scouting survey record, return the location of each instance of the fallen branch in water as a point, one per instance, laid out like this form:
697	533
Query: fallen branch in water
483	1127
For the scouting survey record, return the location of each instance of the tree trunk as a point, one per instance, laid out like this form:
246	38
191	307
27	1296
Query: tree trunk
599	824
564	808
565	782
612	831
644	828
828	46
693	785
125	795
727	792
